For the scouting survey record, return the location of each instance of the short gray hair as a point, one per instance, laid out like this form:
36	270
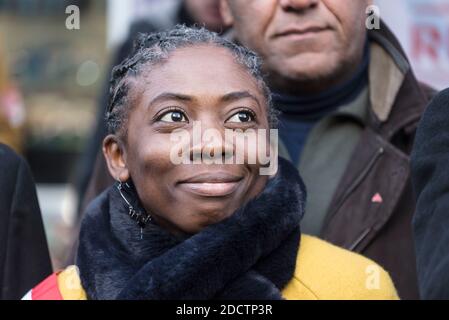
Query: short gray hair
154	48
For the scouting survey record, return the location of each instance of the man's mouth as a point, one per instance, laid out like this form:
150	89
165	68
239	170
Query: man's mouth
300	33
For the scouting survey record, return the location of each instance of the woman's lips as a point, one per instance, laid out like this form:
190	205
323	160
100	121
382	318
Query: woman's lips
211	184
211	189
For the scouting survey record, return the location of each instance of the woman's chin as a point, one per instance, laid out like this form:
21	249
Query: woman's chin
216	216
205	218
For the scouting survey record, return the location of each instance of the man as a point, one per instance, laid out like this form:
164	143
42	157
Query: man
349	107
430	173
24	257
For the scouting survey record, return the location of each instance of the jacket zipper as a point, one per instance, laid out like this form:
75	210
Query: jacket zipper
359	239
354	185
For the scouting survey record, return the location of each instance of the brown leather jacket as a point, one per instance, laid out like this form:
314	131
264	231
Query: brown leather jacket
380	166
372	209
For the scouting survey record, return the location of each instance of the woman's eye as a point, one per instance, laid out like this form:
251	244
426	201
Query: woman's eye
173	116
241	116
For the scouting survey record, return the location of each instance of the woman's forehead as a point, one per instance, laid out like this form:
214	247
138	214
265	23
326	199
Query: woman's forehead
200	69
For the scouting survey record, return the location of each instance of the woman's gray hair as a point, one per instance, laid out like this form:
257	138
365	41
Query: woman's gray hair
151	49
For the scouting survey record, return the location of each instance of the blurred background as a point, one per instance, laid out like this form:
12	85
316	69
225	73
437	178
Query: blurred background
52	81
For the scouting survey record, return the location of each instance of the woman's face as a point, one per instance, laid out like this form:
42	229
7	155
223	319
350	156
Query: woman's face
202	84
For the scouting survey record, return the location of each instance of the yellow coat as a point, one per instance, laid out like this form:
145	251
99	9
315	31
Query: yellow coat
324	272
327	272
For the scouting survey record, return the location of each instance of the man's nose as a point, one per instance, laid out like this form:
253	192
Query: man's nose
298	5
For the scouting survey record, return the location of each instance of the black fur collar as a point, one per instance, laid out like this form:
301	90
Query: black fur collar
251	255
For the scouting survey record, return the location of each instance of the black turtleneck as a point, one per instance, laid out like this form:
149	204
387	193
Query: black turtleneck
299	113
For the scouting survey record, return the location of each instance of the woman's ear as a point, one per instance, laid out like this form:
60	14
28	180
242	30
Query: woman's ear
226	13
115	158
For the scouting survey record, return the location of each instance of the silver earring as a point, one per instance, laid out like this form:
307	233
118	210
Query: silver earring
142	218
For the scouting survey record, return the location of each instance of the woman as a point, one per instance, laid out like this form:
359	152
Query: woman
171	230
94	176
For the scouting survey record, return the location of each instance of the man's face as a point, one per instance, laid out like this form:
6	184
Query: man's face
311	42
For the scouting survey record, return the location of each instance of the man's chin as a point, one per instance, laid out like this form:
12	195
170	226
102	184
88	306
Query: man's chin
306	69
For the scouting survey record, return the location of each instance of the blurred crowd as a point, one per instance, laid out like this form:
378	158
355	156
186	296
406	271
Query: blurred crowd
350	120
13	110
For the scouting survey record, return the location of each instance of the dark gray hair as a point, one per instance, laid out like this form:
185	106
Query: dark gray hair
151	49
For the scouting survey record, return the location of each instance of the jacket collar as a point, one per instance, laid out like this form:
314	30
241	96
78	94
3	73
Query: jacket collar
396	97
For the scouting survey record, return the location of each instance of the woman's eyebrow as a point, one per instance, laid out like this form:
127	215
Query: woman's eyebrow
171	96
238	95
229	97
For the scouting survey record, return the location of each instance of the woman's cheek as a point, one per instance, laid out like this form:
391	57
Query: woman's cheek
155	153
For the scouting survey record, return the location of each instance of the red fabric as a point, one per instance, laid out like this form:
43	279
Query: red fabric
47	289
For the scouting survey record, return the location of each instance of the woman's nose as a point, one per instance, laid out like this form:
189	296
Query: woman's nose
210	145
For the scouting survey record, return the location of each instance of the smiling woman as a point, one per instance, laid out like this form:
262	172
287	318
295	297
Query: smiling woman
164	90
204	231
